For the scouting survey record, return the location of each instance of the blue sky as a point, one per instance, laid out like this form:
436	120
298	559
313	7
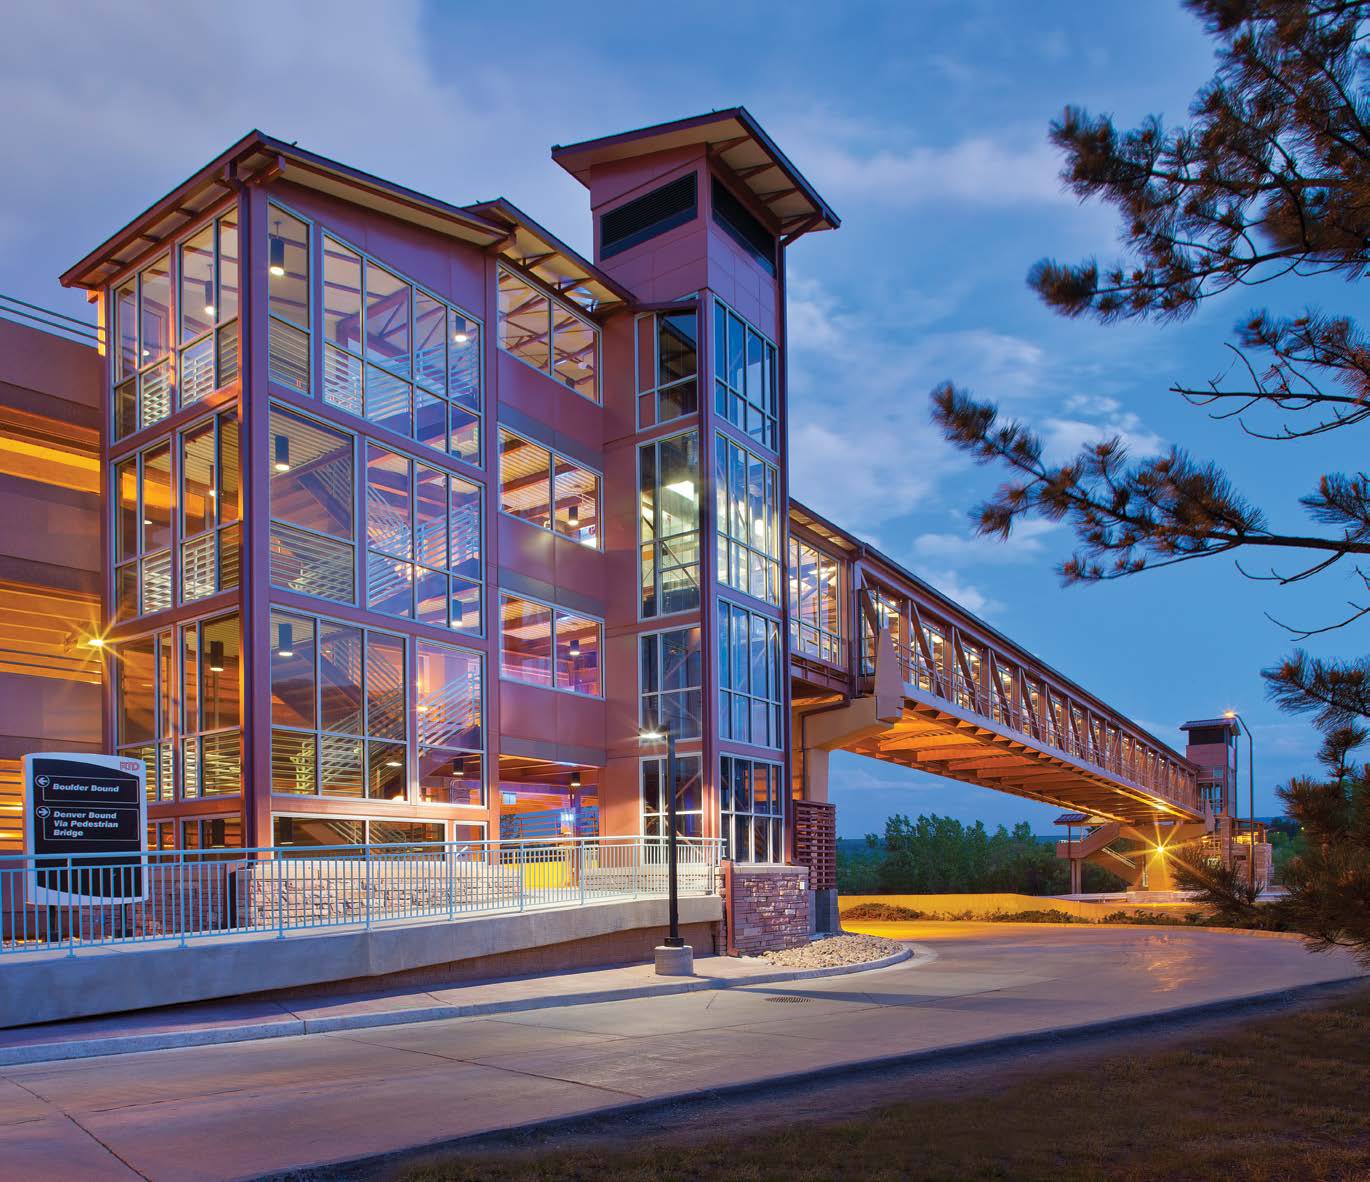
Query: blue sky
923	124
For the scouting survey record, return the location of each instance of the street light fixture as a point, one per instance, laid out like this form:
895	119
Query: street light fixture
674	940
1233	716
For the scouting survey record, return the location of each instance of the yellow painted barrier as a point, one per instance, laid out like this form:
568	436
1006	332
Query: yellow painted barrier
985	905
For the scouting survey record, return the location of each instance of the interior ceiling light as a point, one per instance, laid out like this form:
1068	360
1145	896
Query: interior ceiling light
277	264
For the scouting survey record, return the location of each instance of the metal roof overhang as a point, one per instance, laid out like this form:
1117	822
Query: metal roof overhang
731	136
258	156
549	260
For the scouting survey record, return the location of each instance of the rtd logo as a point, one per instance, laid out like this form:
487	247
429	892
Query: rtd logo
130	765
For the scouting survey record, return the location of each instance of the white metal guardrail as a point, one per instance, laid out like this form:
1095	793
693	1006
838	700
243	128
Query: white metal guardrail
89	901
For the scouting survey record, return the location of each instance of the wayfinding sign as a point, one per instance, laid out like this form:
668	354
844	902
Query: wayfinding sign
93	805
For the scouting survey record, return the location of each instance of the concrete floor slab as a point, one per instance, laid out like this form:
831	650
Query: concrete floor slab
330	1120
94	1085
314	1099
471	1039
55	1147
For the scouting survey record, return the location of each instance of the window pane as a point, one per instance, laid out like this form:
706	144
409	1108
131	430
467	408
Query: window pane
190	680
136	718
157	498
430	517
465	529
199	302
342	296
219	652
312	565
221	770
463	437
126	328
450	777
575	345
387	320
312	832
340	678
154	311
577	654
293	687
387	502
387	400
386	780
293	766
430	342
197	480
680	659
288	267
229	506
526	640
525	479
430	420
389	585
524	320
449	697
311	476
430	596
228	268
340	766
463	361
385	686
127	526
577	503
678	493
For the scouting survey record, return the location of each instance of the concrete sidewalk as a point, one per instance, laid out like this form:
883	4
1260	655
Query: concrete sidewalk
209	1023
248	1109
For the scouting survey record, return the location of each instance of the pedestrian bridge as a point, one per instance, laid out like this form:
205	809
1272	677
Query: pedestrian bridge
883	664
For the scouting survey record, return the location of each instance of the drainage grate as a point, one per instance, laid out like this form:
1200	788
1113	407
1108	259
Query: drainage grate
788	997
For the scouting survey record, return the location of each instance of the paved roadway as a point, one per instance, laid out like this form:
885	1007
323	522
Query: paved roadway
243	1109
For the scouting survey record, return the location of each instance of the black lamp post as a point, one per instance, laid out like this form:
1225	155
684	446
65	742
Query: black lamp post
664	732
1251	796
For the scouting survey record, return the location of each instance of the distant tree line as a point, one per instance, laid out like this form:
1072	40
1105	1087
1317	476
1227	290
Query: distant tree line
941	855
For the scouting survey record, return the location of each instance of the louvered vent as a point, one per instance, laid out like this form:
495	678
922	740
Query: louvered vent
647	216
744	227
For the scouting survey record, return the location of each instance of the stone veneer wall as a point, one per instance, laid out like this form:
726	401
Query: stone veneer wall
769	908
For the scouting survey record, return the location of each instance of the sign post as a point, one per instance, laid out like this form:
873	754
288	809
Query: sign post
85	804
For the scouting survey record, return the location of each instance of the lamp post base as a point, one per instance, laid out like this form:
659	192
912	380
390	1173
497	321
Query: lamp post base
675	962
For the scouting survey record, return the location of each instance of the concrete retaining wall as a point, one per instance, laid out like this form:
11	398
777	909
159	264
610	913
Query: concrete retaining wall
48	987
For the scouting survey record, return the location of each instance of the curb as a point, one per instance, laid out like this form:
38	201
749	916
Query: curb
338	1170
90	1048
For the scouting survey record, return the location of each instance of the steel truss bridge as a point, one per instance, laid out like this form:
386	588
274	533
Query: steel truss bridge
929	686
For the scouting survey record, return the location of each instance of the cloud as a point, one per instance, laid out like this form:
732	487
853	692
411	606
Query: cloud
1063	438
1024	544
863	449
979	170
968	595
148	92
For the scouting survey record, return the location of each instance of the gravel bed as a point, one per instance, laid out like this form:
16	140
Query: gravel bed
833	951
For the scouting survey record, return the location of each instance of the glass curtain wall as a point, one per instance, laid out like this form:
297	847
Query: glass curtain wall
668	524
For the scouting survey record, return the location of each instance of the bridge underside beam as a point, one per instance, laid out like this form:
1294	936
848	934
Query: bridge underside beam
929	737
